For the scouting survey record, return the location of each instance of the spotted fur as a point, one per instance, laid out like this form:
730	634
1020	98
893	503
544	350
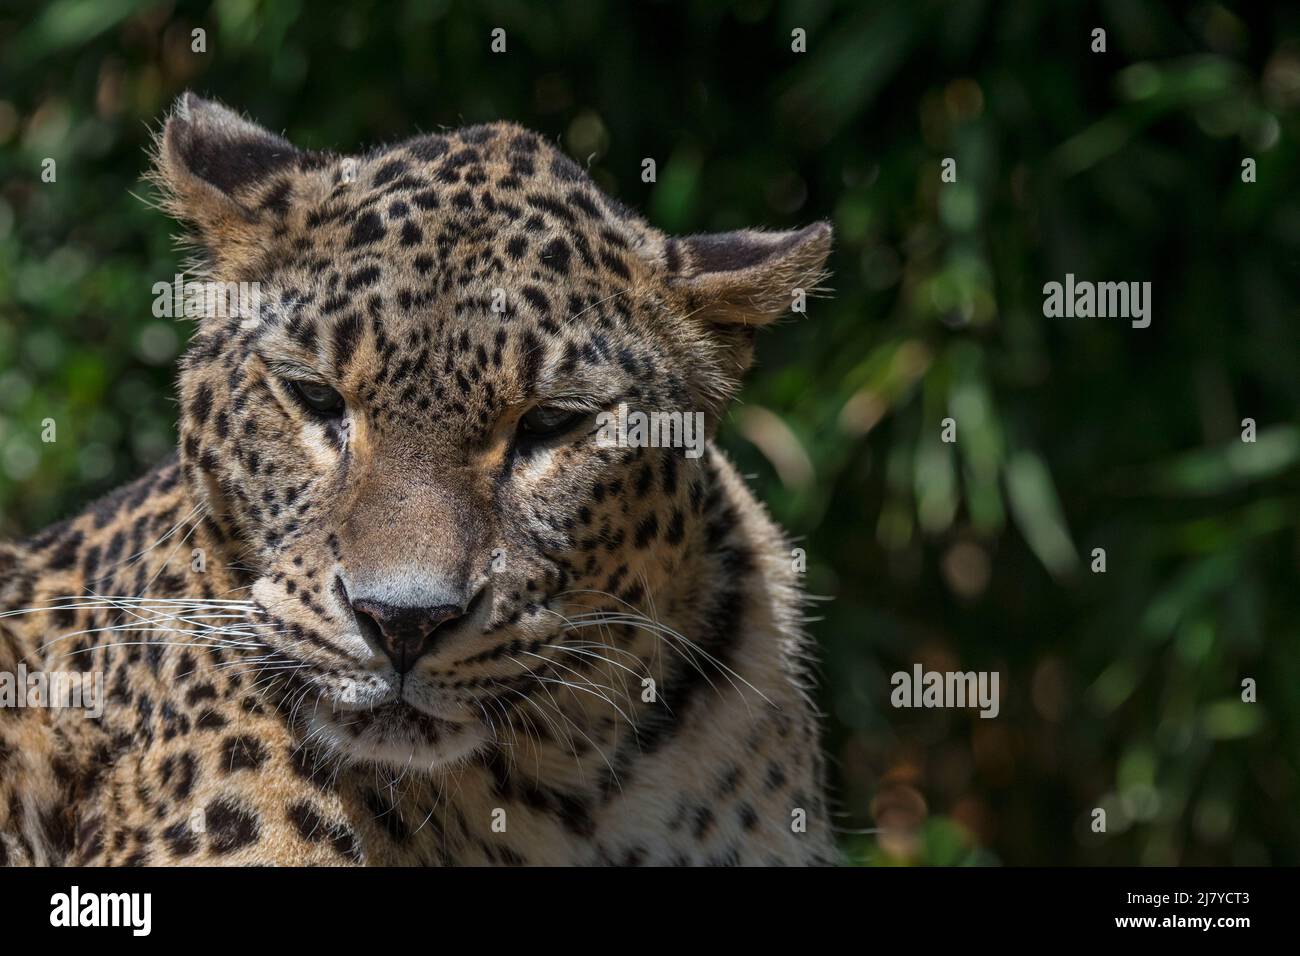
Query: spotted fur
625	682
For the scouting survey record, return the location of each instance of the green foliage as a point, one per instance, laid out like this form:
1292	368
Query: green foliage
1122	689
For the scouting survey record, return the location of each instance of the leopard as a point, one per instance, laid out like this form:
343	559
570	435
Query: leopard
403	595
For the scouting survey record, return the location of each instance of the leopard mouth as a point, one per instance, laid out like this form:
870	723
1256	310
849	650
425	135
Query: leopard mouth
393	716
400	698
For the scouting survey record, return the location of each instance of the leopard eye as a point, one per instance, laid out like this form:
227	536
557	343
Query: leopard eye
320	398
548	421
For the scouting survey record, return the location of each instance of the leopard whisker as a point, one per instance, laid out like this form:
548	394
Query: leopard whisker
560	711
636	619
572	649
569	720
600	621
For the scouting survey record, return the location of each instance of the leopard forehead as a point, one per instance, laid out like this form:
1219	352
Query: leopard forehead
482	208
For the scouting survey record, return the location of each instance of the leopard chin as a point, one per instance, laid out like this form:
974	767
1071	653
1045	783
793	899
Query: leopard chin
393	735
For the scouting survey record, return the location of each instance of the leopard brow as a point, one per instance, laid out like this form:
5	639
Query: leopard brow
595	392
292	370
585	402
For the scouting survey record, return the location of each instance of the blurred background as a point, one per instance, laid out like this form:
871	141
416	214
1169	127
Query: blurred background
1121	690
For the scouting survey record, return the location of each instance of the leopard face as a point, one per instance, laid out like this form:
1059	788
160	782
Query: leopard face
405	448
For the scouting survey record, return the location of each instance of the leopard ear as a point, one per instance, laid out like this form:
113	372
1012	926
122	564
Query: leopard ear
748	277
226	176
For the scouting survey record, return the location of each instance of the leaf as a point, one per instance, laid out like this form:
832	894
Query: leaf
1037	513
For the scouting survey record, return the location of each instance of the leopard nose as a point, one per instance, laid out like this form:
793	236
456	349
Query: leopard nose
405	634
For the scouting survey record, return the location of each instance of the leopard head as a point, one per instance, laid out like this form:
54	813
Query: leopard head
401	421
